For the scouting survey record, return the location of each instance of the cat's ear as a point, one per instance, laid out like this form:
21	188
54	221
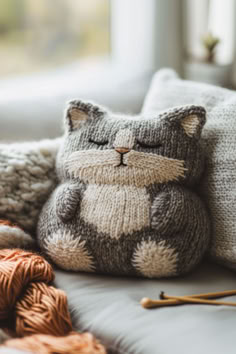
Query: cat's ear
78	112
189	118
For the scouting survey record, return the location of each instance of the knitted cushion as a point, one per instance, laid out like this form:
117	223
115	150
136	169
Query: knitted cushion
27	176
125	203
219	183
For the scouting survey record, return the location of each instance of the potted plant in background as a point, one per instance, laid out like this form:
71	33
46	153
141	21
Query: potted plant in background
208	69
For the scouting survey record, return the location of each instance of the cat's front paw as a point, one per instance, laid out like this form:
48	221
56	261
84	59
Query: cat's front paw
67	201
159	211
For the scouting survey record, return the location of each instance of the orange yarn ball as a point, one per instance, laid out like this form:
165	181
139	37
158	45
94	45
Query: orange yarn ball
24	289
43	309
38	307
74	343
17	269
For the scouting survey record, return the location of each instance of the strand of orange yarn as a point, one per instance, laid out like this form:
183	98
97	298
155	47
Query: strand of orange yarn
33	309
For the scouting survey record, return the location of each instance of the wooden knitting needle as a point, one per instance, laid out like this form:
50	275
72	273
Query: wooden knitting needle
204	295
198	298
195	300
149	303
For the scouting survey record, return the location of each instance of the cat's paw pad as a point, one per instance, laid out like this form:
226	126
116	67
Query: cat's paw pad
69	253
155	260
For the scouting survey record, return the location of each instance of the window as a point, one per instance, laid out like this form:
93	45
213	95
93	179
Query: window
36	35
209	16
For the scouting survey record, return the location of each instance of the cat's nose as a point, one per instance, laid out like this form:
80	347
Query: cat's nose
122	150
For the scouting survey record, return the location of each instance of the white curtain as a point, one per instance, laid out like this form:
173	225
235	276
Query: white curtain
146	34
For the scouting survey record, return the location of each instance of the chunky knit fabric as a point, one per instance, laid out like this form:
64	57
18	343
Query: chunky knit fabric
27	176
12	236
218	186
125	203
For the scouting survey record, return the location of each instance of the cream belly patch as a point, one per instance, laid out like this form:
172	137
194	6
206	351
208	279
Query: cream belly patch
116	210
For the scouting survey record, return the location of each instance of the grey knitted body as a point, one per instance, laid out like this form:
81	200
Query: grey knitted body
125	203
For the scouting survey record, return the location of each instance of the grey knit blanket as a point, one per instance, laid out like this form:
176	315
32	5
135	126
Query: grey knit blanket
27	176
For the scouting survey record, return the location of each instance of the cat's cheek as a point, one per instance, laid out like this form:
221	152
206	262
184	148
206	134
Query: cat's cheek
155	259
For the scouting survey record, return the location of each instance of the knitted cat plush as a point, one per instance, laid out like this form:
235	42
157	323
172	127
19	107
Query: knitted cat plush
125	203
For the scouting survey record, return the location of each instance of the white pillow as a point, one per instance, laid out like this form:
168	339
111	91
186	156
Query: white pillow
219	138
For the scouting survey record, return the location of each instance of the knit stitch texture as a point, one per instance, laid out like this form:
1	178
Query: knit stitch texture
219	183
28	176
125	203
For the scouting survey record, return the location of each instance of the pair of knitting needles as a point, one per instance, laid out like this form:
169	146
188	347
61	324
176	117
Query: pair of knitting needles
166	300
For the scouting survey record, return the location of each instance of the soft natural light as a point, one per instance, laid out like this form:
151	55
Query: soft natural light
36	35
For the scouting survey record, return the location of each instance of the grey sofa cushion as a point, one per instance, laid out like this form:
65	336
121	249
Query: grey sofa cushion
219	139
109	308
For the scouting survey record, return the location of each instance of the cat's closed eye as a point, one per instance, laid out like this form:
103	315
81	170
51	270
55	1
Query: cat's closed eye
98	142
149	146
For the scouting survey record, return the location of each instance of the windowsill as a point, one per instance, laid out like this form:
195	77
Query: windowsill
32	106
86	75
